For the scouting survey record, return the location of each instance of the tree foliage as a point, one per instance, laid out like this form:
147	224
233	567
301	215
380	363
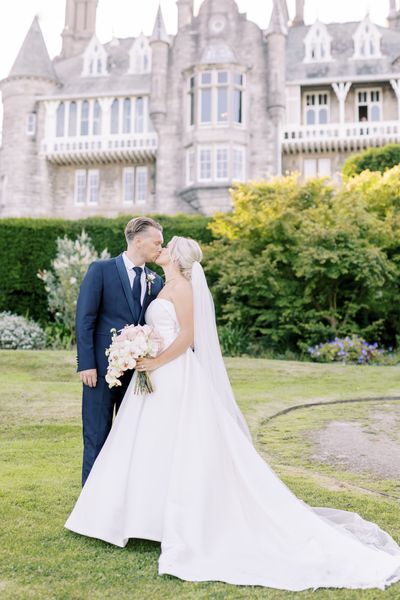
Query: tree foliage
373	159
299	263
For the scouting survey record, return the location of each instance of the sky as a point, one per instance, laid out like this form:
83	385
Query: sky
125	18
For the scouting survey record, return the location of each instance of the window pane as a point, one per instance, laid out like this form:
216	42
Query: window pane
222	104
139	121
97	118
222	77
206	78
93	187
85	118
31	124
127	116
129	185
375	113
72	119
60	120
205	163
238	106
324	167
310	117
222	163
206	106
323	116
310	167
190	166
238	79
141	184
238	164
115	116
80	187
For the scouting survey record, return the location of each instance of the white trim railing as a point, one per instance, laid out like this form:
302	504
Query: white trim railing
339	136
99	148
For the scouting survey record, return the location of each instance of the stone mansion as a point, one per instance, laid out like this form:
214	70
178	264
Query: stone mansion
165	124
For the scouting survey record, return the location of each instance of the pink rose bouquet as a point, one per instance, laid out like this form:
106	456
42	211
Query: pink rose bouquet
131	343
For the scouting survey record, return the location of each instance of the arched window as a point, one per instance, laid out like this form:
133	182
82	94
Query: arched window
94	59
97	118
140	56
367	40
72	121
85	118
115	116
60	120
139	115
317	44
126	128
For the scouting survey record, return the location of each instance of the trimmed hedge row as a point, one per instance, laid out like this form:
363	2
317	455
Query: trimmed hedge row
27	245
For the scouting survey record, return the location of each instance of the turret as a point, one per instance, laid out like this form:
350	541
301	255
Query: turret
299	16
185	12
21	170
276	45
159	43
80	26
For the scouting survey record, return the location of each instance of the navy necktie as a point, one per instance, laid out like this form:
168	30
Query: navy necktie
137	293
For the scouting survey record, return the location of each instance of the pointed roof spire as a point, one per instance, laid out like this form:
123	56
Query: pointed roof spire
159	32
279	18
33	58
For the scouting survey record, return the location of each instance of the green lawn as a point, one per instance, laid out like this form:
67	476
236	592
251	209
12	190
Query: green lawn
40	450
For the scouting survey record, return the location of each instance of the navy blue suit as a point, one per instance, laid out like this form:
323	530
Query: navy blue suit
105	301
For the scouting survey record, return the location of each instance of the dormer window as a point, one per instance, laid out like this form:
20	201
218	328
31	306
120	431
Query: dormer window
367	41
317	44
94	59
140	56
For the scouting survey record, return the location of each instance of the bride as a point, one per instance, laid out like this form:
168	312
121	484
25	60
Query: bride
179	467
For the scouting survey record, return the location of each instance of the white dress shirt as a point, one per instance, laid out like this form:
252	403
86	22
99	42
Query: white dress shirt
129	266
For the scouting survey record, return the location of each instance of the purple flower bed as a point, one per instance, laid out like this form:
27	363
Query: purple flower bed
353	350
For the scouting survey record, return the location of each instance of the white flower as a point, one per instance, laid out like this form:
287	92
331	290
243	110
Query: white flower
72	280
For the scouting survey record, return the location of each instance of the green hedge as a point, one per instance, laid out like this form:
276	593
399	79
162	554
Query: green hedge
373	159
27	245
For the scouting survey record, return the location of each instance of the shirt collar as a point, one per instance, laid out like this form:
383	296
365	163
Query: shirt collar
129	264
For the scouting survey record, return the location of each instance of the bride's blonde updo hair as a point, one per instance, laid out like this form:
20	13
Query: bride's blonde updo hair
184	252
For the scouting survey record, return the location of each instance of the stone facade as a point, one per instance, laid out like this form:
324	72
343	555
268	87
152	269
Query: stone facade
167	123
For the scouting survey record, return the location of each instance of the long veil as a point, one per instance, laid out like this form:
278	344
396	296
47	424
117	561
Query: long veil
207	347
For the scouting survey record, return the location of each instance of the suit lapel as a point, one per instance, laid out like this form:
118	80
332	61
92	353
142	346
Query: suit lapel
125	283
147	297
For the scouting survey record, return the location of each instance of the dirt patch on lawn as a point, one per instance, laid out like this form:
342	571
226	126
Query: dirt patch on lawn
372	446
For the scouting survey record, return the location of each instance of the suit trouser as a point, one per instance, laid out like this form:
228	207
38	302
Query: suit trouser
98	405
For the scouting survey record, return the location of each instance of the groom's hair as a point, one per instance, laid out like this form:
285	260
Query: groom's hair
139	225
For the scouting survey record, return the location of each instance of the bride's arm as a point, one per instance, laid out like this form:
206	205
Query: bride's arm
182	297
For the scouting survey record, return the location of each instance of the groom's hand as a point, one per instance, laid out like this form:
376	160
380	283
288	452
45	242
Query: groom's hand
89	377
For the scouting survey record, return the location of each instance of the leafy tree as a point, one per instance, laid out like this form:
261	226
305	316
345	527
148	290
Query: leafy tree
373	159
298	263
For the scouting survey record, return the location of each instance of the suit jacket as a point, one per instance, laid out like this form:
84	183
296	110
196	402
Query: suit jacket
105	301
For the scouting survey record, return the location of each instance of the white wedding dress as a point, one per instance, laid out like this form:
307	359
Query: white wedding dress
178	467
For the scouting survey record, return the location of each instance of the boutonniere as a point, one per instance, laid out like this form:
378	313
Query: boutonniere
150	278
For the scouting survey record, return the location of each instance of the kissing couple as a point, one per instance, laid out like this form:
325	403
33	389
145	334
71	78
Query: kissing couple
178	465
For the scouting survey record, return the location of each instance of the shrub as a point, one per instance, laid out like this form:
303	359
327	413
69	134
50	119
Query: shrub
347	350
19	333
234	340
373	159
63	281
298	263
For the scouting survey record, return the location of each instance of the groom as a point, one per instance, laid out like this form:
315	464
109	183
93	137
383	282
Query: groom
114	293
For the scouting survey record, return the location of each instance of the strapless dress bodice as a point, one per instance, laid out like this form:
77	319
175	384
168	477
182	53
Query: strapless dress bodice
162	316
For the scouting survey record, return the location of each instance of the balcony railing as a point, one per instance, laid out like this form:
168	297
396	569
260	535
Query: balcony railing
339	136
136	147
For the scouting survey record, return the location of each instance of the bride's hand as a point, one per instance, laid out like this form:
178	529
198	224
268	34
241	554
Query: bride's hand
147	364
